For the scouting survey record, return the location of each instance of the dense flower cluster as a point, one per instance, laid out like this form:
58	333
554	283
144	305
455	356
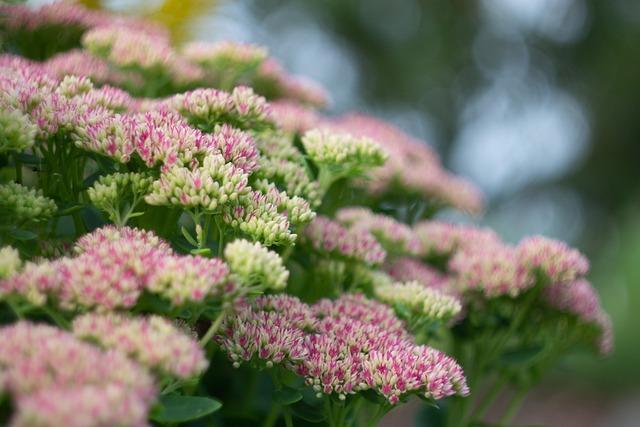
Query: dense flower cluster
252	265
218	149
411	163
329	237
113	268
152	341
394	236
19	203
58	380
342	350
431	303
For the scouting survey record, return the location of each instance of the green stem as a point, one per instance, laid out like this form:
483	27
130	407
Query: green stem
513	407
272	417
213	328
57	318
489	398
221	230
15	309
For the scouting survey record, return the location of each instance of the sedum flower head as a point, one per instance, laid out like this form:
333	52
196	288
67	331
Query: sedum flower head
494	270
17	132
208	187
253	265
267	337
394	236
110	233
443	238
581	299
342	154
152	341
259	219
10	262
328	237
360	308
78	62
394	371
297	312
56	379
558	261
225	55
82	406
208	107
188	279
293	117
292	176
420	300
109	191
297	209
19	203
410	269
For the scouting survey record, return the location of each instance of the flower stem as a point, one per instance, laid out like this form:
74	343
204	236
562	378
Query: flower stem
513	407
213	328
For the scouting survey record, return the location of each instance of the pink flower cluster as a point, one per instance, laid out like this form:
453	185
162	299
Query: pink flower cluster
70	14
355	351
271	335
559	262
152	341
340	347
210	106
412	164
395	237
329	237
408	269
57	380
112	270
443	238
493	269
135	49
581	299
272	75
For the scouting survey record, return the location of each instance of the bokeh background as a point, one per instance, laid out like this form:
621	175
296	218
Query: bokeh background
536	101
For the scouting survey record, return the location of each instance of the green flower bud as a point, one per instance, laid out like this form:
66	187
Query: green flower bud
19	203
253	265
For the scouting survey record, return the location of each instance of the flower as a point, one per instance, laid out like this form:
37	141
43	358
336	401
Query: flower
109	233
82	406
394	236
443	238
342	154
182	279
411	164
397	370
51	373
109	191
10	262
17	132
19	203
410	269
422	301
558	261
581	299
259	219
493	269
253	265
152	341
293	117
299	314
297	209
358	307
328	237
225	55
208	187
78	62
265	336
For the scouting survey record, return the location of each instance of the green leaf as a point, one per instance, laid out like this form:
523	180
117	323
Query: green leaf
287	396
188	236
23	234
174	408
135	214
